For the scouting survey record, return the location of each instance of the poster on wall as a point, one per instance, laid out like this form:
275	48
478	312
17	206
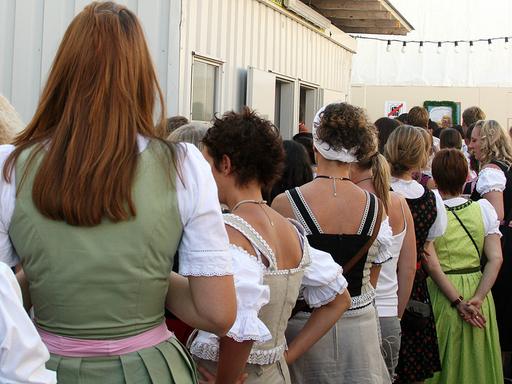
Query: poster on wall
393	109
444	113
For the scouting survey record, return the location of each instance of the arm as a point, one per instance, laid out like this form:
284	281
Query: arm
321	320
23	282
406	263
496	199
201	302
449	291
492	249
233	356
374	274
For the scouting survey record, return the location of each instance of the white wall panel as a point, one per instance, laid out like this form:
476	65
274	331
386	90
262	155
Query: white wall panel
251	33
31	31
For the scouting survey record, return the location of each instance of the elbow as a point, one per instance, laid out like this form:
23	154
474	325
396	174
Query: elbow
221	321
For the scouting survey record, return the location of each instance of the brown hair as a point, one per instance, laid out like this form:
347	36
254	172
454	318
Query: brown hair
345	126
405	149
471	115
253	145
450	138
385	126
100	93
418	117
450	170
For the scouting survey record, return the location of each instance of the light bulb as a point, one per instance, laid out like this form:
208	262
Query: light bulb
471	47
506	43
489	45
403	46
439	48
388	47
456	47
420	49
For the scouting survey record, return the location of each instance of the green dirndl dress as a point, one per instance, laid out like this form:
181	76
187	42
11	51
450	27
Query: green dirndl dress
468	354
106	282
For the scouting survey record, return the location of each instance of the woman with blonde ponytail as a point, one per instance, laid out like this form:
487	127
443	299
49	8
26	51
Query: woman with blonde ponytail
406	153
394	283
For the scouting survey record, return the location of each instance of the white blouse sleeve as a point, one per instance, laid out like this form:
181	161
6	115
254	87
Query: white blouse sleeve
22	353
490	180
7	203
439	227
323	279
382	244
251	296
490	218
203	250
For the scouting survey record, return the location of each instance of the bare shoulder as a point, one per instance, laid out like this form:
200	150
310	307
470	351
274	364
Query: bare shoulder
236	238
282	206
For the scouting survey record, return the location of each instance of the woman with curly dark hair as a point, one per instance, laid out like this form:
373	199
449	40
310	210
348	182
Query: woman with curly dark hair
246	156
344	220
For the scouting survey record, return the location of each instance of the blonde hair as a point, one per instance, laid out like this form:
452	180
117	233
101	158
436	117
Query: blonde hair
10	122
381	176
495	143
405	149
429	146
190	133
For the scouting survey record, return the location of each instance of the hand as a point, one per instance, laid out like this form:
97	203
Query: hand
210	378
476	302
470	314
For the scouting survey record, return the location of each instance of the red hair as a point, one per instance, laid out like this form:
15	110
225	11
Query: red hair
101	92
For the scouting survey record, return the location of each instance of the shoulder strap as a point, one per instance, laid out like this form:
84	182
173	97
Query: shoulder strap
364	250
253	236
302	211
465	230
370	215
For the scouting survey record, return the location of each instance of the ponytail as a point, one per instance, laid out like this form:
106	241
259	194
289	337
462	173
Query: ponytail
381	177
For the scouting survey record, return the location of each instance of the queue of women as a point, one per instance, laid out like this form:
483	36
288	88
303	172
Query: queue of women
358	275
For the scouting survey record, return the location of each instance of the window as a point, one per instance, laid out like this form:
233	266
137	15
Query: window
205	89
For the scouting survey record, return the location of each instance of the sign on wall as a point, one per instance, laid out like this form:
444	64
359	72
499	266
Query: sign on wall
393	109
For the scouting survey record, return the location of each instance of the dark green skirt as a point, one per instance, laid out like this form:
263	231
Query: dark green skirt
165	363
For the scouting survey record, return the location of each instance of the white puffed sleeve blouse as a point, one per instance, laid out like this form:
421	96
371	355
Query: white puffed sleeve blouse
203	249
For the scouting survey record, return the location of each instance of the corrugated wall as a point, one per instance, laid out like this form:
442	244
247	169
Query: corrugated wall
31	30
245	33
241	33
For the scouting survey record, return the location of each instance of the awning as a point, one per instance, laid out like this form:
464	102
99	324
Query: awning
362	16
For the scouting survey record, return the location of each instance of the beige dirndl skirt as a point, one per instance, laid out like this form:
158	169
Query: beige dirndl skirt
348	353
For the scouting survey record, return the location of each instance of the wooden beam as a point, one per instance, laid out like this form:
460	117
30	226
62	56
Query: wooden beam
374	30
342	14
367	23
353	5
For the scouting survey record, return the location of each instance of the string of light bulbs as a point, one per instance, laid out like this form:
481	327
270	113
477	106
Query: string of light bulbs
455	43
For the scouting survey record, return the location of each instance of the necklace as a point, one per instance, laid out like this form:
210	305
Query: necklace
333	178
366	178
261	203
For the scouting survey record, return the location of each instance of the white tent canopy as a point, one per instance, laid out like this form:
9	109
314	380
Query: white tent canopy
440	20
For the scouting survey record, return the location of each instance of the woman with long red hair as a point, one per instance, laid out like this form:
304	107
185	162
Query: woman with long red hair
95	205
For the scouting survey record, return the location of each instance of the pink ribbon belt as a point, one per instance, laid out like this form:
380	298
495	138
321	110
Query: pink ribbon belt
71	347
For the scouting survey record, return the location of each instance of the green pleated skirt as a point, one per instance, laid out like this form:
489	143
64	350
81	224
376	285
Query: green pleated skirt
165	363
468	354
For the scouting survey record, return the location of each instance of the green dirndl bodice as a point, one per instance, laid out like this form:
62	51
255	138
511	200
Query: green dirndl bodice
108	281
468	354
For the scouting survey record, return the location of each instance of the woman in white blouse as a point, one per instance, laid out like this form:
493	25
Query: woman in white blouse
463	305
492	147
94	204
271	256
22	353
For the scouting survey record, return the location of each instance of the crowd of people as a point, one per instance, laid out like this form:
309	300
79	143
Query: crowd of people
184	252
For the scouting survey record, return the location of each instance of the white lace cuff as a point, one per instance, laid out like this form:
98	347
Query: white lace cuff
382	245
321	295
248	326
206	263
